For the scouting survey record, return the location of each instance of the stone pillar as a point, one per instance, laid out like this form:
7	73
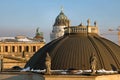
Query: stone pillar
1	49
1	63
23	48
29	49
16	49
9	48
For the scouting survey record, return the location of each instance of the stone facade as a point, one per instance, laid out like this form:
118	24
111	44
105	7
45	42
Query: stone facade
15	52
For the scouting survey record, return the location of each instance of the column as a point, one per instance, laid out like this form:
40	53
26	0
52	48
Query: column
1	63
9	48
30	50
15	48
1	48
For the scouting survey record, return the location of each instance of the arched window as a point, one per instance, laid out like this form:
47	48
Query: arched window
6	48
34	48
27	48
20	48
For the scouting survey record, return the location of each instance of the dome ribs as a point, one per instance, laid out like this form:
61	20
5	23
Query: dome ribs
104	54
115	48
54	55
101	64
106	44
83	54
87	52
77	54
74	51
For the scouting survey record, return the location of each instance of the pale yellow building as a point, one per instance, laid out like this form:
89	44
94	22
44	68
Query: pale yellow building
16	51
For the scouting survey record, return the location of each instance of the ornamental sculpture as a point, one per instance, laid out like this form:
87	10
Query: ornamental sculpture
93	64
48	64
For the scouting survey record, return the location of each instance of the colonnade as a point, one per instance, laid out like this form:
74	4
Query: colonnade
10	47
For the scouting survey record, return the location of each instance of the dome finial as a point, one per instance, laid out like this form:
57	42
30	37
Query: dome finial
61	8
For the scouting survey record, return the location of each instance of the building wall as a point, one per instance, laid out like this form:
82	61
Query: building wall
19	47
57	32
93	29
15	52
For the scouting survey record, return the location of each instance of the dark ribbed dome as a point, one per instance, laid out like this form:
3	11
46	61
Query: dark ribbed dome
75	50
61	20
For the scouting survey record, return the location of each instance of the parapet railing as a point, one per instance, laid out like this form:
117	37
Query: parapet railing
76	30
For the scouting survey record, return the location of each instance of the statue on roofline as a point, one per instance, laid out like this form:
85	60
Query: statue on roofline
48	64
38	33
93	63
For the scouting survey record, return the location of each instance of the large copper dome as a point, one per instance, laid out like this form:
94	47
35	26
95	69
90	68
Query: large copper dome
74	50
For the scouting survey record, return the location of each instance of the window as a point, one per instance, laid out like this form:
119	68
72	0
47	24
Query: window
20	48
6	48
27	48
13	48
34	48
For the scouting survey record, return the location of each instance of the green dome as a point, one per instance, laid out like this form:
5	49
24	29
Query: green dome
61	16
61	20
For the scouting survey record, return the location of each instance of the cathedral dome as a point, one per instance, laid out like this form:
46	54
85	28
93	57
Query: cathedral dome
61	20
75	50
